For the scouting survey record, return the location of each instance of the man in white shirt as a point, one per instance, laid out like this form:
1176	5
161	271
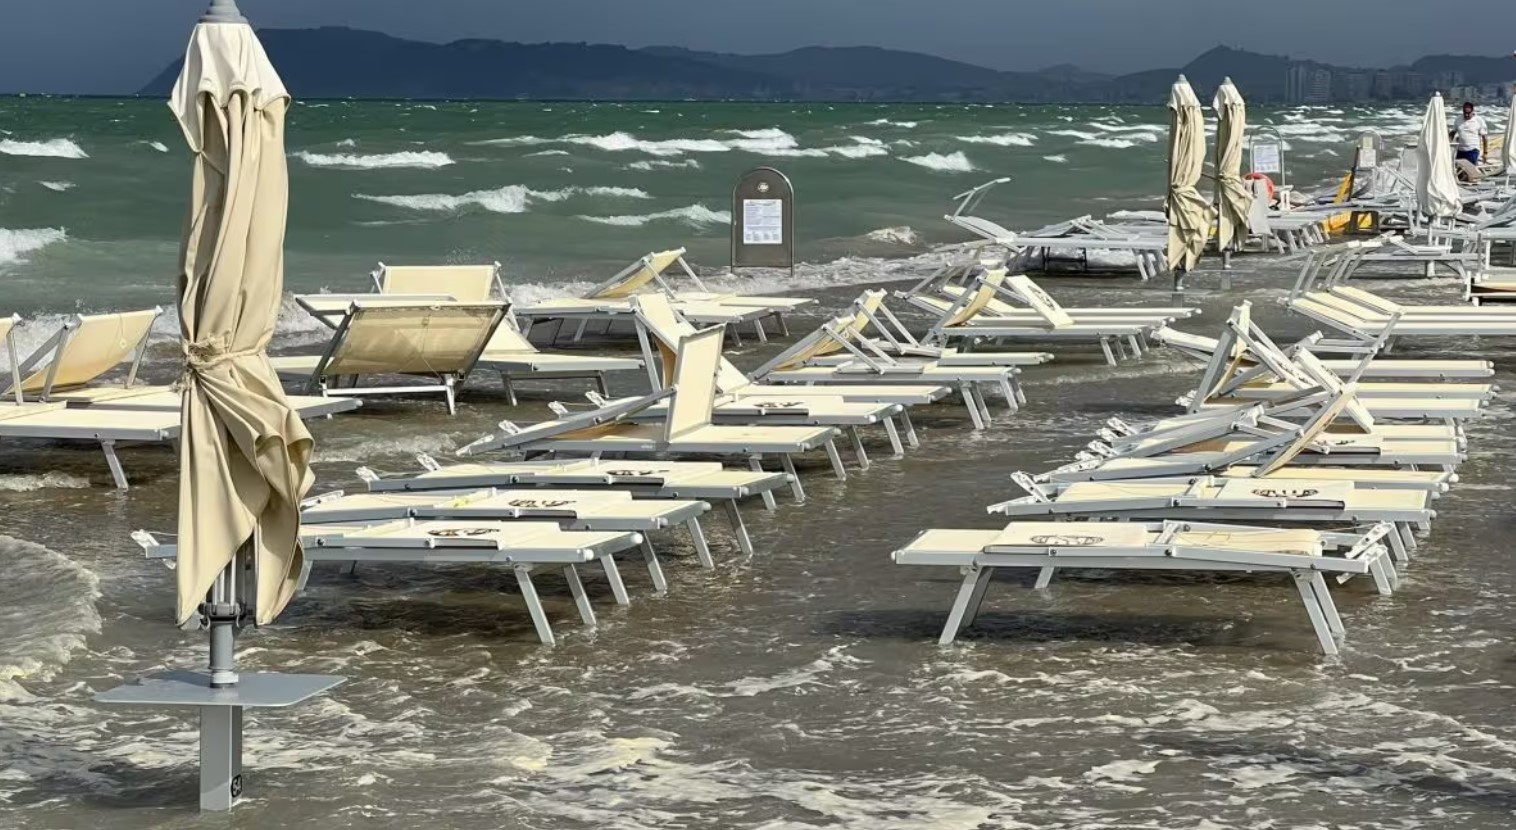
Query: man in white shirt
1471	136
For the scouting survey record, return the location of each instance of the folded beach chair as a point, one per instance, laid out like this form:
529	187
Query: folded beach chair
441	342
998	306
610	300
814	360
1209	498
525	547
1203	348
1069	237
1272	374
706	481
965	316
687	430
595	510
1306	556
661	327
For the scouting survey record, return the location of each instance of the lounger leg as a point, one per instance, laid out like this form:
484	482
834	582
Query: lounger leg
972	612
1383	581
1314	610
890	430
600	384
1409	538
118	474
534	605
763	336
795	486
969	400
833	456
702	550
613	576
863	456
452	396
784	328
579	331
736	336
966	591
654	567
510	389
1136	346
1009	393
910	429
756	465
739	527
1397	545
1328	605
581	599
1044	578
984	404
1105	346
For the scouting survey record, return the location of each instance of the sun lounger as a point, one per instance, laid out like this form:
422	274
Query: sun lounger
1306	556
687	429
462	283
966	316
80	352
1202	348
703	480
524	547
807	362
515	358
441	342
611	300
595	510
1208	498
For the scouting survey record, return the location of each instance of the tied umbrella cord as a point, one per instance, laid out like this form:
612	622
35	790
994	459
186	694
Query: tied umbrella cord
205	355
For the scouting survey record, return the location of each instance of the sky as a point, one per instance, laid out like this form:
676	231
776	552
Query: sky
105	46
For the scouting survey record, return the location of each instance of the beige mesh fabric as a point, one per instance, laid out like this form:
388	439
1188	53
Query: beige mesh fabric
1073	535
508	339
1290	488
652	266
464	283
848	326
1374	301
1032	294
440	339
99	343
1254	540
820	343
694	383
1317	426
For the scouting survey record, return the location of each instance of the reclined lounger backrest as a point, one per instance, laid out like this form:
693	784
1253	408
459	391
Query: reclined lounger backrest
438	339
1032	294
85	348
694	382
657	316
636	276
464	283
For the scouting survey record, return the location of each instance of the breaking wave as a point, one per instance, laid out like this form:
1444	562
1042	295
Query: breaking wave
425	160
768	141
946	163
59	187
14	245
51	599
1057	159
157	145
54	148
694	215
1001	139
513	198
649	165
900	235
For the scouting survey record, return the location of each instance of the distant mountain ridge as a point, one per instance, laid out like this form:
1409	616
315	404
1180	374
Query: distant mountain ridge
336	62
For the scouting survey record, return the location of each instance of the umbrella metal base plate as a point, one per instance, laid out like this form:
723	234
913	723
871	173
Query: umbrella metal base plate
220	716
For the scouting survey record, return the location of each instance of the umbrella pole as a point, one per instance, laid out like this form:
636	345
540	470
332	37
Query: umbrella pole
223	616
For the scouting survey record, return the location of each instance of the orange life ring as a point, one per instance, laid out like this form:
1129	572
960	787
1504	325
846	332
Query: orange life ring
1268	182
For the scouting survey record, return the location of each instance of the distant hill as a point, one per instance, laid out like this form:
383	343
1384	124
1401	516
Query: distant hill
337	62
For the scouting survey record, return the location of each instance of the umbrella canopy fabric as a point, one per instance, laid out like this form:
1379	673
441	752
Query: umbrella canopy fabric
1189	214
1233	201
244	455
1437	193
1508	147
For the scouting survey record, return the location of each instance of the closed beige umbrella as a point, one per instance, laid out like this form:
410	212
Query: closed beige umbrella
1233	201
1437	193
245	456
1188	213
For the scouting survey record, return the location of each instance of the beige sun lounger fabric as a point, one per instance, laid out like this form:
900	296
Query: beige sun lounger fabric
91	346
464	283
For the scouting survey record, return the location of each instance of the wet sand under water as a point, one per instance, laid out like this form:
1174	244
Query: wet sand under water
801	688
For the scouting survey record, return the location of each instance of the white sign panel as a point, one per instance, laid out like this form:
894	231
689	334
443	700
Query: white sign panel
763	221
1266	158
1368	158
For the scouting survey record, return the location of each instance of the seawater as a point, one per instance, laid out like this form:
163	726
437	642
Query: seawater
801	688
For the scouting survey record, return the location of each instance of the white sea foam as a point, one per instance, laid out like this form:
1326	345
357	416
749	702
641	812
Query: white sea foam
1057	159
864	147
52	480
513	198
885	122
693	215
648	165
1138	215
60	187
767	141
547	153
946	163
53	148
899	235
425	160
14	245
50	600
347	142
1111	143
1001	139
158	145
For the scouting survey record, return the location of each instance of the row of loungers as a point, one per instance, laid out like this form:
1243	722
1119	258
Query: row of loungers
58	392
1326	475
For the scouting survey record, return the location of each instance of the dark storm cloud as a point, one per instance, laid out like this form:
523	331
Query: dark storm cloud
115	45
